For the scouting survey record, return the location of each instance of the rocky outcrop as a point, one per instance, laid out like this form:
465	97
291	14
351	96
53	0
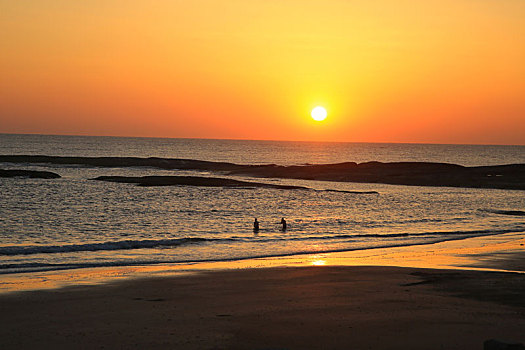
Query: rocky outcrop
402	173
113	162
32	174
191	181
208	182
510	176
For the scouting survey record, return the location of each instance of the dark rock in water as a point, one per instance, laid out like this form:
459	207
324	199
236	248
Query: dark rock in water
192	181
401	173
112	162
493	344
29	174
510	176
351	192
206	182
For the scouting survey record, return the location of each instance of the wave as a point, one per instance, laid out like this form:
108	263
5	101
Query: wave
92	247
504	212
40	267
27	267
434	234
177	242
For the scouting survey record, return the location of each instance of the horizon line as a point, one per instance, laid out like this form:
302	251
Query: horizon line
266	140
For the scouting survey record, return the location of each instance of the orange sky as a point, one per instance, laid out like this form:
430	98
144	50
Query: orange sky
447	71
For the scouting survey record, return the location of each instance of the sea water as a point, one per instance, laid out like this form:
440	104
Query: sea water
75	222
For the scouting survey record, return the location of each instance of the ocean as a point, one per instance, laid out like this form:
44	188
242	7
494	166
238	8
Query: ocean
75	222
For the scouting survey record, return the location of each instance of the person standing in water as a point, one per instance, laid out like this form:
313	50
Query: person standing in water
255	226
283	222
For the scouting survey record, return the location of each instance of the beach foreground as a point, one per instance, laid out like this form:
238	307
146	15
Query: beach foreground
318	307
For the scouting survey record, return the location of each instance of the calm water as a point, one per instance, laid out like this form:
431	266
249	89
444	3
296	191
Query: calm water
258	152
76	222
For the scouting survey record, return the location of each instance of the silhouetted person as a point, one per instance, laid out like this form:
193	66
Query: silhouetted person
255	226
283	222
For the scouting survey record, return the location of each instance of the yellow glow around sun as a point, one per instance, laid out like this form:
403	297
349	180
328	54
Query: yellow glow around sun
318	113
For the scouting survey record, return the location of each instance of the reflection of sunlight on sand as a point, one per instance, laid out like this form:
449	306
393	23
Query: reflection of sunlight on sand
318	260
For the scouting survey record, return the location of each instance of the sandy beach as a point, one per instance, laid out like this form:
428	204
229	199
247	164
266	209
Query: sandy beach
279	308
304	307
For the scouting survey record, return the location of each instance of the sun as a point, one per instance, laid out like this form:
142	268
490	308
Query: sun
318	113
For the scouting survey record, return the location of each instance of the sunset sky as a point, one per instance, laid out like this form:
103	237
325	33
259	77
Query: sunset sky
443	71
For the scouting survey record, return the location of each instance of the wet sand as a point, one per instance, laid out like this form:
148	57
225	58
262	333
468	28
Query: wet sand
318	307
300	306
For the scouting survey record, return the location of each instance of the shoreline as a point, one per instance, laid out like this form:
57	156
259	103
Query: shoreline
496	253
454	299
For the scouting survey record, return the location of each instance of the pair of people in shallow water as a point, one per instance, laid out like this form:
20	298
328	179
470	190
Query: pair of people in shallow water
256	225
